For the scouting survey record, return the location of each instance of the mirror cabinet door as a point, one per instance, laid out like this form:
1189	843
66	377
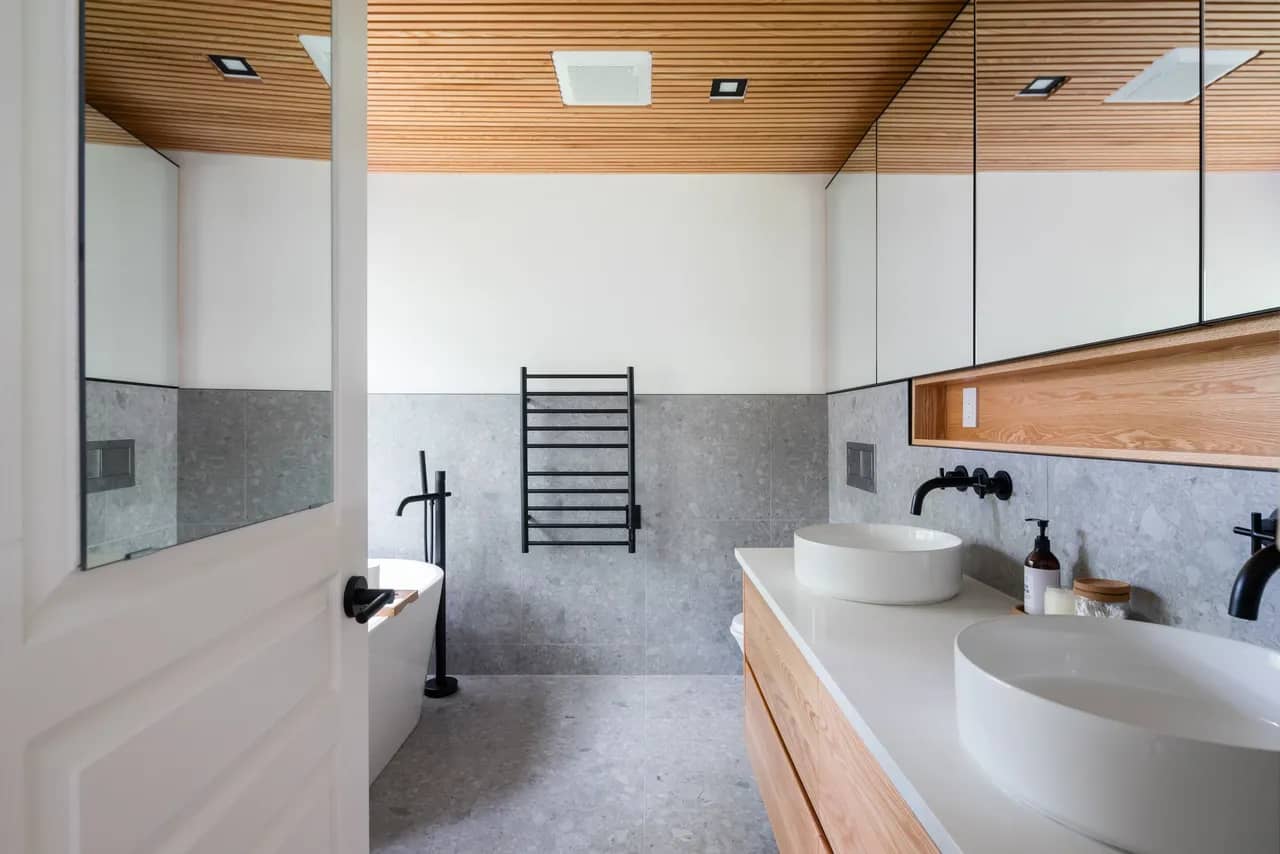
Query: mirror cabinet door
1087	172
1241	158
924	214
207	344
851	269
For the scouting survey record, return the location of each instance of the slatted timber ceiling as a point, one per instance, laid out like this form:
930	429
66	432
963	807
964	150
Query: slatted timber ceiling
146	66
863	158
101	130
469	86
1100	45
1242	110
928	127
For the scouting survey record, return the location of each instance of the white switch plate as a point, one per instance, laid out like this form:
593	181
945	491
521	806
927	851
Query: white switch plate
969	411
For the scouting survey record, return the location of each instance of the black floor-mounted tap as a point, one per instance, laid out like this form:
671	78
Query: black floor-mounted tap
999	484
1264	560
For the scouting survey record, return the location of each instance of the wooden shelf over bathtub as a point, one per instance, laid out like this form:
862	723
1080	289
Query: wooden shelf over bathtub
1203	396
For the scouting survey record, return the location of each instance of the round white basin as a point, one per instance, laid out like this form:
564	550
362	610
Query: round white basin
881	564
1146	737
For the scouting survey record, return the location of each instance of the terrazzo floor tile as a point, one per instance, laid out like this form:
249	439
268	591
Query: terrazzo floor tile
574	764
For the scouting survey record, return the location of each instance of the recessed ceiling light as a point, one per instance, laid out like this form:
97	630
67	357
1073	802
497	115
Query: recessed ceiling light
604	78
1174	78
234	66
320	49
1042	87
728	88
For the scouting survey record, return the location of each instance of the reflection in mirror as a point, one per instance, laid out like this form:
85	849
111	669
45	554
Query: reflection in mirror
851	269
207	342
924	199
1241	158
1108	161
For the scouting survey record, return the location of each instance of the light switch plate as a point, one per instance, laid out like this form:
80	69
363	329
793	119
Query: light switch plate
969	411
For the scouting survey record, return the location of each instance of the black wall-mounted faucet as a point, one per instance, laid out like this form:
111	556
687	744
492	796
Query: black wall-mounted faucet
1264	560
999	484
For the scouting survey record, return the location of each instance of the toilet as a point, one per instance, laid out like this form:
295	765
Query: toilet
735	629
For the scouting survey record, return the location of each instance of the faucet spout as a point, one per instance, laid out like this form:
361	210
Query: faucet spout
412	499
1246	593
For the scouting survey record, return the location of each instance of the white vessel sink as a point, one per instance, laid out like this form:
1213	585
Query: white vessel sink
881	564
1146	737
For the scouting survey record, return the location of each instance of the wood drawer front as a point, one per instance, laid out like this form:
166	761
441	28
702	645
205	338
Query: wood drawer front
858	807
795	827
788	684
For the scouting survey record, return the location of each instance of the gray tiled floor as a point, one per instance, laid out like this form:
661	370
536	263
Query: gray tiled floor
574	763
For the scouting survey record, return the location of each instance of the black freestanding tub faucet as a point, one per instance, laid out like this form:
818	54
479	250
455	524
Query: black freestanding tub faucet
433	542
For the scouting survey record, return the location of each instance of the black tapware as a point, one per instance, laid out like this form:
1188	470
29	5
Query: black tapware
607	428
433	548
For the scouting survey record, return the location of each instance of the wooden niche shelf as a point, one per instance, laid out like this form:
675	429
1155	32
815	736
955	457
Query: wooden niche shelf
1204	396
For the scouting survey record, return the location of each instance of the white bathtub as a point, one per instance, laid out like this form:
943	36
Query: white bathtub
399	648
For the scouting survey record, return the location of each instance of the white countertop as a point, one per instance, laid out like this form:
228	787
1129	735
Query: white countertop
890	669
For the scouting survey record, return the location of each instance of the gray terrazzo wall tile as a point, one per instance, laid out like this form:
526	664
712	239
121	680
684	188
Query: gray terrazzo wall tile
250	455
1165	529
713	472
120	521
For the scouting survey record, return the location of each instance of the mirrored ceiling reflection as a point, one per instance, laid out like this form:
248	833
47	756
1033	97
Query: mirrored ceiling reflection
207	343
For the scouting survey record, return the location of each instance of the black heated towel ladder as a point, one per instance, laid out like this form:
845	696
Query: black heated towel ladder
546	498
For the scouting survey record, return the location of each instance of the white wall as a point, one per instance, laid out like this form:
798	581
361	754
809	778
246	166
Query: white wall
851	278
705	283
255	299
1241	242
924	274
1068	258
131	264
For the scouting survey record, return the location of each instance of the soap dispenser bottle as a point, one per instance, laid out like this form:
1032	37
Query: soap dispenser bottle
1040	570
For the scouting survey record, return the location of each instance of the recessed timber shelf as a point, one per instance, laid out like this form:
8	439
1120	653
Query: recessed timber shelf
1203	396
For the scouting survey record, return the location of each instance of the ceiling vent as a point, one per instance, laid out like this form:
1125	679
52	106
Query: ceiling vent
1175	77
604	78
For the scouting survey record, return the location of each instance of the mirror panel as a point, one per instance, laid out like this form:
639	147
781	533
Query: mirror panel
851	269
1242	160
1087	206
924	202
207	332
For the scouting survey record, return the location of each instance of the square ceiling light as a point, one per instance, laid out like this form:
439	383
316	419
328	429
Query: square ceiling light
729	89
604	78
1174	78
1042	87
234	67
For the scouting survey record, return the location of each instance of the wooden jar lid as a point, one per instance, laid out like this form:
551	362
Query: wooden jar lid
1102	589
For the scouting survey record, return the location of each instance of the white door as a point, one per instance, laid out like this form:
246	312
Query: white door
210	697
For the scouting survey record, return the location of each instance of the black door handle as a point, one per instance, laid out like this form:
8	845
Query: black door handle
360	602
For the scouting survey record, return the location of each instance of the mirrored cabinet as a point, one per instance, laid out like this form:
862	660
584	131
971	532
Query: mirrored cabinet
1241	158
1087	172
1059	175
924	213
851	269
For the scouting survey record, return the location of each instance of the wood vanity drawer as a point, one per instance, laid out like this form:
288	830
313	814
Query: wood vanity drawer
795	827
857	806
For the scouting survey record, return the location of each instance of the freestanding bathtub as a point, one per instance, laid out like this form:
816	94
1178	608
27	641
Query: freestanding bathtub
399	649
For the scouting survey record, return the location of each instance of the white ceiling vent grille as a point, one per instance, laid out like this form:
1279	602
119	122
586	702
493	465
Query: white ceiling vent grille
1175	77
604	78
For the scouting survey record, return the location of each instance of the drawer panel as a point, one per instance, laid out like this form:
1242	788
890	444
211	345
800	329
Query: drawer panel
794	825
857	806
788	684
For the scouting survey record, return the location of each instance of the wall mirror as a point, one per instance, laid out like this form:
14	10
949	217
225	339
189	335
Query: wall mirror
924	205
1241	158
207	345
1087	172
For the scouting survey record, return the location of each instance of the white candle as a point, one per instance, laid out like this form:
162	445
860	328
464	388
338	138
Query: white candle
1059	600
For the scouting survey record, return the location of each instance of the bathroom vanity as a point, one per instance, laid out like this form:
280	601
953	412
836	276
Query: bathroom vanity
851	723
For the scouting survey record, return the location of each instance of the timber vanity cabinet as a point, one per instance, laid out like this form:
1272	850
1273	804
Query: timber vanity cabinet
822	788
